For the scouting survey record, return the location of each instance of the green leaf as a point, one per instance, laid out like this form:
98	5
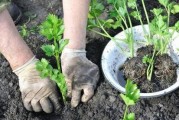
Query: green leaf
157	11
131	3
131	116
23	31
62	44
175	9
176	26
52	27
127	100
109	21
164	2
39	66
162	25
136	15
53	19
132	92
49	50
117	24
44	62
44	68
122	11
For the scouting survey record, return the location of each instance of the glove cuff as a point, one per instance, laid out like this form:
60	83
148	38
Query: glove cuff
68	50
21	68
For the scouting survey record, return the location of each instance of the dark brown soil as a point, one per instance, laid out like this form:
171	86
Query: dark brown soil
105	105
164	73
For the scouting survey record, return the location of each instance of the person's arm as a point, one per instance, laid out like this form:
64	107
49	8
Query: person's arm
12	46
37	94
80	73
75	19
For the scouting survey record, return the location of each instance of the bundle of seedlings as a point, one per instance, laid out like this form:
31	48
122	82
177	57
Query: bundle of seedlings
150	67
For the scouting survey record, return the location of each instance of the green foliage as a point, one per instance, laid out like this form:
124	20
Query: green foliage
130	98
49	50
176	26
175	9
146	59
24	32
52	28
130	116
44	67
164	2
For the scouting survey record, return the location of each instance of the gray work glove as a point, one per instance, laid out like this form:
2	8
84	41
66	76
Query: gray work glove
37	94
80	73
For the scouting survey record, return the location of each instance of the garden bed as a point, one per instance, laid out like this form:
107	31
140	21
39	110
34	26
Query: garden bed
105	104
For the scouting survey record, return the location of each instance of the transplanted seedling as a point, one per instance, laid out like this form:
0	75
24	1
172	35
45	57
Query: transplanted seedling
52	28
130	98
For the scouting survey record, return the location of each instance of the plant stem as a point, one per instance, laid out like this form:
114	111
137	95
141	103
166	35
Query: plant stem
125	113
146	14
57	55
100	33
131	41
123	19
168	16
141	22
151	67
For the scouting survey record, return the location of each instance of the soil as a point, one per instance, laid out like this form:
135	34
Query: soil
105	105
164	71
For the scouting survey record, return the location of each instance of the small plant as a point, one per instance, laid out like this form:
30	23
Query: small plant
130	98
23	31
52	28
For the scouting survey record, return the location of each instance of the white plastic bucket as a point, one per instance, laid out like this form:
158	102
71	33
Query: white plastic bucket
113	57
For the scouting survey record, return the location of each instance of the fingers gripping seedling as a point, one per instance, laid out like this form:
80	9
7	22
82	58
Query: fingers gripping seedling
52	28
130	98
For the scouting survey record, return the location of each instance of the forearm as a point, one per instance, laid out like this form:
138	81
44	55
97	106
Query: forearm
12	46
75	20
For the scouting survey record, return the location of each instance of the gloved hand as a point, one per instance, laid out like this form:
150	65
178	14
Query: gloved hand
80	73
37	94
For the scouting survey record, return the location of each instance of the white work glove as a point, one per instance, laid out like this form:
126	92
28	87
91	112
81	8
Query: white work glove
37	94
80	74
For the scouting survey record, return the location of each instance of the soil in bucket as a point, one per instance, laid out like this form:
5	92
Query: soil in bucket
163	76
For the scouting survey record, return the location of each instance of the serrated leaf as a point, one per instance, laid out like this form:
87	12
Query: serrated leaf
53	19
175	9
39	66
164	2
62	44
131	3
132	92
157	11
44	62
136	15
52	27
122	11
49	50
127	100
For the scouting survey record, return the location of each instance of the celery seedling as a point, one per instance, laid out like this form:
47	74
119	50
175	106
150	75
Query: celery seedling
52	28
117	17
130	98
